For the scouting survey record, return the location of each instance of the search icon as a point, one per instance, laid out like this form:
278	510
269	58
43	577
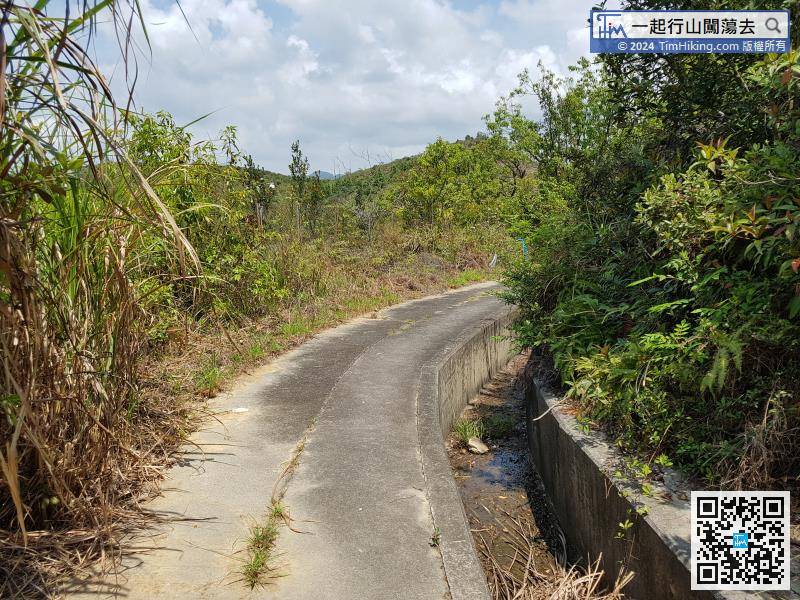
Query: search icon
772	25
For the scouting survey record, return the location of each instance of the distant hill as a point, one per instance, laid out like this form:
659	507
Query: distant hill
325	175
276	177
389	169
371	180
374	179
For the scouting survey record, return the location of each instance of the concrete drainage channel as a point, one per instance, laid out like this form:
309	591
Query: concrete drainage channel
445	387
593	492
580	472
511	520
590	504
456	377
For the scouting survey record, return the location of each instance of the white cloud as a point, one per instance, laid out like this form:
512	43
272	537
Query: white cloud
562	24
297	69
388	76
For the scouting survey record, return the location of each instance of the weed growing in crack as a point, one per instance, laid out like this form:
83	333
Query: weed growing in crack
254	568
259	567
436	538
278	511
465	429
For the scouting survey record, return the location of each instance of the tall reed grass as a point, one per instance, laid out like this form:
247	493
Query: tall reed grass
76	219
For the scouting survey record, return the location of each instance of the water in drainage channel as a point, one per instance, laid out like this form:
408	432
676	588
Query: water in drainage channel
516	533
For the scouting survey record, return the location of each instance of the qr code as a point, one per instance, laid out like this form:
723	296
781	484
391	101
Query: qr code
740	541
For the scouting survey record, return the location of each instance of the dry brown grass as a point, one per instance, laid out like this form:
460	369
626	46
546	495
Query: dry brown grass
771	449
81	445
515	577
102	468
75	456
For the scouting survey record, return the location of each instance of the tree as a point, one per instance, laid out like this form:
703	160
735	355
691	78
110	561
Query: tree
261	191
696	96
298	169
230	145
424	191
314	198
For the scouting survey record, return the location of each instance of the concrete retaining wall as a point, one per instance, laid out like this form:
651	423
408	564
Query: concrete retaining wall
446	384
475	360
590	502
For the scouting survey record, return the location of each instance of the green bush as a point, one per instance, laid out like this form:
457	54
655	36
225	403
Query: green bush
671	310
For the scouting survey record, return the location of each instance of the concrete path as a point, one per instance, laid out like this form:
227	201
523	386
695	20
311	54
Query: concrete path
359	489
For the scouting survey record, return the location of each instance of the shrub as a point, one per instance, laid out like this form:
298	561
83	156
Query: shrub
672	311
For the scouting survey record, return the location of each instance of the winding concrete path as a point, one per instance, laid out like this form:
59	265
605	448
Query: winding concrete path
359	492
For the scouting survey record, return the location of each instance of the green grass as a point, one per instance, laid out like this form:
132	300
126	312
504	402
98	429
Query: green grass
436	538
261	547
296	326
358	304
498	426
387	297
466	277
254	569
465	429
209	379
262	346
263	537
278	511
256	351
361	304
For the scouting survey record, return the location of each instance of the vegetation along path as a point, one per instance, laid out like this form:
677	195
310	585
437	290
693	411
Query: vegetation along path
310	481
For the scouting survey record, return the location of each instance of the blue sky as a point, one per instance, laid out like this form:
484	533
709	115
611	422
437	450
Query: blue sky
349	77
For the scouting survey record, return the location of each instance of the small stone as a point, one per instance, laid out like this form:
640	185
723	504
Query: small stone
476	446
